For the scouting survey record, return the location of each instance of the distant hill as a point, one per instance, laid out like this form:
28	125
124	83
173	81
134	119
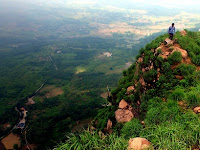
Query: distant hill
157	98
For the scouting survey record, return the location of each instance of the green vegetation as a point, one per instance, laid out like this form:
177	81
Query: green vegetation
175	58
77	66
167	102
92	140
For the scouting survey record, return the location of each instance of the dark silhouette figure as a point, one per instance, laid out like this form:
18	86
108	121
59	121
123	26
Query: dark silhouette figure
171	31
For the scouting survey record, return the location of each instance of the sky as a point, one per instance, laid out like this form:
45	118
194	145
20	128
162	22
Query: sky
165	3
180	4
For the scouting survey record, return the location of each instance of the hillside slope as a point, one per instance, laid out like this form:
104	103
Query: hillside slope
158	99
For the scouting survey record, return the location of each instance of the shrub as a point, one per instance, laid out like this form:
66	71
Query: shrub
166	67
159	62
185	70
159	51
193	99
178	94
150	75
175	58
196	60
131	129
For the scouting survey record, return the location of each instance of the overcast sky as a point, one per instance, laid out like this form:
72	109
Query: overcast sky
165	3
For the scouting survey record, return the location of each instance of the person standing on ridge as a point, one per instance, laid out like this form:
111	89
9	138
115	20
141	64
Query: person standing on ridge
171	31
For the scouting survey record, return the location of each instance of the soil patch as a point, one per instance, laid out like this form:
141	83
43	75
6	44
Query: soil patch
105	95
11	140
51	91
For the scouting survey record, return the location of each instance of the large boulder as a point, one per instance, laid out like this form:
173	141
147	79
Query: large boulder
183	52
139	144
130	89
197	110
168	42
123	104
109	126
123	115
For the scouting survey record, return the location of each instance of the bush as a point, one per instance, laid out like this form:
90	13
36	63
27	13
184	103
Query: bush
193	99
150	75
178	94
131	129
185	70
196	60
166	67
175	58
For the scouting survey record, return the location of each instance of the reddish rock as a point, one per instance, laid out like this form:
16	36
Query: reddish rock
183	52
130	89
183	33
179	77
123	104
165	55
168	42
141	80
123	115
140	60
109	126
139	144
142	123
197	110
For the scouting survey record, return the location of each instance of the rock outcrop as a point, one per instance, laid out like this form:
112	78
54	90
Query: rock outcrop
123	104
109	126
168	42
140	60
139	144
124	113
197	110
130	89
183	52
183	33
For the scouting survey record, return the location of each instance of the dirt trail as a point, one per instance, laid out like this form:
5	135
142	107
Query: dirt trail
167	51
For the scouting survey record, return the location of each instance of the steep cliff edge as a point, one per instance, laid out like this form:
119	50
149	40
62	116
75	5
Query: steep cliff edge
156	103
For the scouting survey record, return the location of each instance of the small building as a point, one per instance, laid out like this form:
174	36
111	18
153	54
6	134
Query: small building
21	125
107	54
